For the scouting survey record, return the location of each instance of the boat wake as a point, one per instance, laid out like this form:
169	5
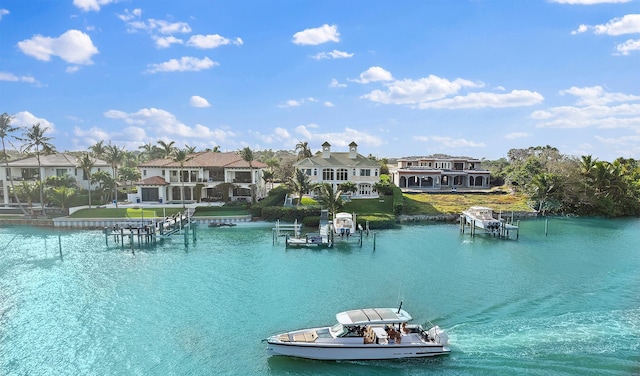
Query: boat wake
571	333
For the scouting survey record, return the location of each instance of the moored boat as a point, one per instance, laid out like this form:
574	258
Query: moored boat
344	224
482	217
363	334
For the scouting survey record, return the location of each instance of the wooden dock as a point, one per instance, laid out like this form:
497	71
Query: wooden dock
150	231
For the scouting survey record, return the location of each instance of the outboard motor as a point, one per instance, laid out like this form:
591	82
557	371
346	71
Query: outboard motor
439	336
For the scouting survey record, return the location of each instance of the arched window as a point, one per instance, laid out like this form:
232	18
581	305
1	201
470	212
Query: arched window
327	174
342	174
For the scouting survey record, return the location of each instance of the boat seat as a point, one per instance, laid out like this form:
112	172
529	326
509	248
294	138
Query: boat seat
305	337
283	338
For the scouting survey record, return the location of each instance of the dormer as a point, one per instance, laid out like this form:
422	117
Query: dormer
326	150
353	150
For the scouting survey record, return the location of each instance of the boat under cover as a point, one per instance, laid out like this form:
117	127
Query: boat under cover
363	334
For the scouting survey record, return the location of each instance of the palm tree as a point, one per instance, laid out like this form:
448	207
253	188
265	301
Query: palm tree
329	198
247	155
303	150
348	187
272	163
190	149
149	152
5	130
181	156
61	195
114	156
98	149
129	175
29	192
166	148
86	163
38	142
300	184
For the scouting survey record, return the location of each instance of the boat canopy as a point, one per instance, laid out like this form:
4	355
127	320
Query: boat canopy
343	215
373	316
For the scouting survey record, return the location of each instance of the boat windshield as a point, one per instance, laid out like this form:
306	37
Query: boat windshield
338	330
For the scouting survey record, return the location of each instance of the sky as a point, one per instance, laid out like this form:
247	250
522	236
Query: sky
401	78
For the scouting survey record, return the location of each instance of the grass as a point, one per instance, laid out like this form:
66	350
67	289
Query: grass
446	203
123	213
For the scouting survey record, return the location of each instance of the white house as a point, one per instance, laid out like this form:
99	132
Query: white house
202	176
336	168
58	164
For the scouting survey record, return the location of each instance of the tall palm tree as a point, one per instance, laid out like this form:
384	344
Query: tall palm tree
166	148
36	141
190	149
149	152
5	130
299	184
330	199
303	150
181	156
86	163
98	149
114	156
247	155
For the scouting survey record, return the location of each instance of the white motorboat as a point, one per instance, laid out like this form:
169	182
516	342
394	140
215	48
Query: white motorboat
482	217
363	334
344	224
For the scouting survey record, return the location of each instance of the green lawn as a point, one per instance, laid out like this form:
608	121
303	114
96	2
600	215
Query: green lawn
455	203
124	213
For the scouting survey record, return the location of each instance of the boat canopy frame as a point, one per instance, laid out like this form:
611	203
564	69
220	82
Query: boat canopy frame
373	316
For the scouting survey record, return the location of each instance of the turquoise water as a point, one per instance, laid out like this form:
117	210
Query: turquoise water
563	304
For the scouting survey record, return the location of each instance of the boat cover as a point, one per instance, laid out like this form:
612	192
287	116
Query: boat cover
373	316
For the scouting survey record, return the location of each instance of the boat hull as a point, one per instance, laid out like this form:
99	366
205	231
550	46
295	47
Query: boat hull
356	352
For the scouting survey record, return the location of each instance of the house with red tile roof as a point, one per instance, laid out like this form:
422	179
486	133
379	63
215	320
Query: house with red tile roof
205	176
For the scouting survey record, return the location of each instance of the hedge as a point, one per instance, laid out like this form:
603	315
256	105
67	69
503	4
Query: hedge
398	201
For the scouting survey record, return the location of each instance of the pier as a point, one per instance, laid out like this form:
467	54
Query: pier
506	228
150	231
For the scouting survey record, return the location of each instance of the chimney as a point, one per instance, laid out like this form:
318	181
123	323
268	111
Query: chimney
326	150
353	150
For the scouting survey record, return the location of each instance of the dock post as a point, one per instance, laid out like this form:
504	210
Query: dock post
194	232
374	241
106	237
60	247
546	226
518	229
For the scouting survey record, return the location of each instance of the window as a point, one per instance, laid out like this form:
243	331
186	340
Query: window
144	173
376	172
342	174
365	189
365	172
61	172
315	172
327	174
307	172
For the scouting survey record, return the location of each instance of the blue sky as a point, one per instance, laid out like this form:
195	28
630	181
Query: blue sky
400	78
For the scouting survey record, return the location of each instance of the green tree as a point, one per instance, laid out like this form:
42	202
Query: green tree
60	181
5	131
348	187
105	183
29	192
247	155
86	163
328	198
37	142
129	175
114	156
181	156
149	152
303	150
61	195
98	149
166	148
299	184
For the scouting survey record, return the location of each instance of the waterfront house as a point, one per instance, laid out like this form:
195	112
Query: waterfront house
336	168
58	164
440	172
206	176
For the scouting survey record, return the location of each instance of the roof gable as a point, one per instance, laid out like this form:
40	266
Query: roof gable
206	159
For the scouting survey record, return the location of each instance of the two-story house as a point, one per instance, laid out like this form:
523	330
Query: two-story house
59	164
202	176
440	173
336	168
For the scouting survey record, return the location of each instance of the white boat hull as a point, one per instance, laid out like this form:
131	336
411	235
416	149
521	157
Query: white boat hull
356	352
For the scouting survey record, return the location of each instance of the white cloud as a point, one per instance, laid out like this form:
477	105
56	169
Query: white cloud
73	46
335	83
5	76
165	42
592	109
335	54
628	46
319	35
628	24
516	98
419	91
514	135
449	142
338	139
26	119
3	12
91	5
186	63
211	41
129	15
72	69
588	2
291	103
597	95
374	74
197	101
329	104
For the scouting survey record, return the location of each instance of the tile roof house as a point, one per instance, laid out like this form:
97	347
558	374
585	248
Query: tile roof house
336	168
59	164
202	175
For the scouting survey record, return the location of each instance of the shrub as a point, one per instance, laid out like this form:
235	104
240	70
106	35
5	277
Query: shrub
289	213
398	201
